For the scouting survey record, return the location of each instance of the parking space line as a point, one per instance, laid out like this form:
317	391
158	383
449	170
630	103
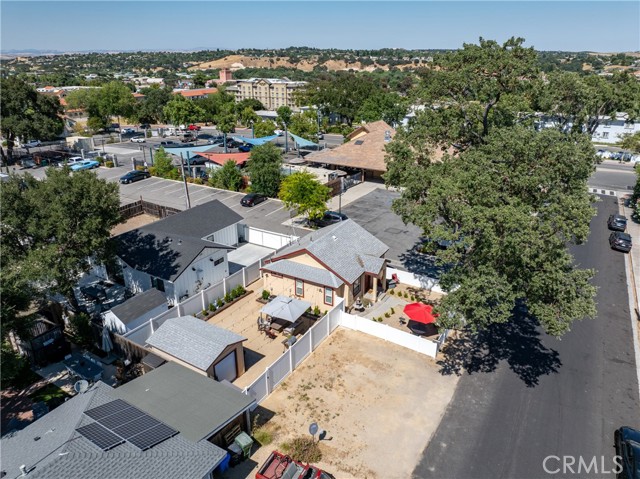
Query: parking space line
275	211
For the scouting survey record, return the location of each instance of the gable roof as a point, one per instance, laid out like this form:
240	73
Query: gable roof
140	304
366	149
189	402
60	451
164	249
347	249
192	340
304	272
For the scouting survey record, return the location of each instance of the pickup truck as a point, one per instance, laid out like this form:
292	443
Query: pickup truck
281	466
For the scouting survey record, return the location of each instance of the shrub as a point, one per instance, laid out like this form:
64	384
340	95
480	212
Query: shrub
386	315
265	294
237	291
263	436
81	330
100	160
204	313
219	303
316	310
198	181
109	164
212	307
405	294
303	449
228	298
139	168
392	292
393	311
413	298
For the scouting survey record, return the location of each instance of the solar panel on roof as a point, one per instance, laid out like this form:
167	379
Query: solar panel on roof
153	436
136	427
100	436
107	409
125	416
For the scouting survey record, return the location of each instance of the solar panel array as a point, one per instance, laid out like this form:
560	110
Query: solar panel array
117	421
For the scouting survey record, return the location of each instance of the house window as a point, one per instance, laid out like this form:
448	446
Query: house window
299	287
328	296
218	261
157	283
356	286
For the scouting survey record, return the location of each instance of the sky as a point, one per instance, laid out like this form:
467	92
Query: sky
88	25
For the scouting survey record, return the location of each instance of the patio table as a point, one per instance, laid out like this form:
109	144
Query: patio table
82	367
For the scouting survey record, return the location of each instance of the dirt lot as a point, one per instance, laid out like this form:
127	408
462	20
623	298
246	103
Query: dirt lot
133	223
378	403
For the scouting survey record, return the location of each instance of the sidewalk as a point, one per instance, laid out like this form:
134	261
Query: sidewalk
353	193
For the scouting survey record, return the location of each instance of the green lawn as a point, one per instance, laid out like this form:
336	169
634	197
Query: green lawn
50	394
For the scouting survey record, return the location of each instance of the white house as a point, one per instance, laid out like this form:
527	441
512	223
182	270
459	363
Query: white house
612	130
135	311
181	254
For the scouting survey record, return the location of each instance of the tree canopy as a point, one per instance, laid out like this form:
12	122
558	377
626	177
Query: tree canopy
182	111
112	99
265	169
505	199
151	108
27	114
227	177
304	193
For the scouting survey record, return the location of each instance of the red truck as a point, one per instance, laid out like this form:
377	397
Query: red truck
281	466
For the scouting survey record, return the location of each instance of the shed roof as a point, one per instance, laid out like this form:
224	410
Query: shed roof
140	304
193	341
189	402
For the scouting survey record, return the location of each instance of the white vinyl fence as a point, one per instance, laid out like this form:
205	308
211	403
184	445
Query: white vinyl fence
267	238
285	364
419	281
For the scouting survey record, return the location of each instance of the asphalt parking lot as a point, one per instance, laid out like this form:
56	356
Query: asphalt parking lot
373	213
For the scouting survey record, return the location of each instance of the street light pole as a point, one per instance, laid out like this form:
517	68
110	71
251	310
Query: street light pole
286	139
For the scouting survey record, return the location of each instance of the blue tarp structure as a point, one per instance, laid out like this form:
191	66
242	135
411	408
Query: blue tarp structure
255	141
301	142
188	151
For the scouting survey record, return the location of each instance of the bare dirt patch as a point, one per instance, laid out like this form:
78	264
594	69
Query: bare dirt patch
133	223
378	403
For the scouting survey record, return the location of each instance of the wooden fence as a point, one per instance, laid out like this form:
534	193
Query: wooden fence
139	207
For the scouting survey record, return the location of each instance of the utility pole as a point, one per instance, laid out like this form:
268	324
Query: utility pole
286	139
186	188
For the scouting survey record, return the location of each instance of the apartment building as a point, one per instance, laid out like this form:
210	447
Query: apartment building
271	92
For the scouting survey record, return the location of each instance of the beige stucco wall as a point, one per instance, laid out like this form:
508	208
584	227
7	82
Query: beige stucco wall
313	293
306	260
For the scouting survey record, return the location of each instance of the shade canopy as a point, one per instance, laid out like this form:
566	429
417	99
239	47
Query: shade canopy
302	142
286	308
255	141
420	312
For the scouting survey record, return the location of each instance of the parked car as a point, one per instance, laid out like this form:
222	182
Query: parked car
145	126
28	163
233	144
627	442
85	165
32	143
215	139
620	241
329	218
245	148
127	131
134	176
252	199
278	132
194	128
187	139
279	466
617	222
320	135
166	143
138	139
71	161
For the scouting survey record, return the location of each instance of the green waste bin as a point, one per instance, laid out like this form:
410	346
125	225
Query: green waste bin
244	442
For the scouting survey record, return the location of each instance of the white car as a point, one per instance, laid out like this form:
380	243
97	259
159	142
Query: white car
32	143
278	132
126	131
138	139
71	161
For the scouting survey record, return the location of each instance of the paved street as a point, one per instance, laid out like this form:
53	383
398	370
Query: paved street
613	175
524	395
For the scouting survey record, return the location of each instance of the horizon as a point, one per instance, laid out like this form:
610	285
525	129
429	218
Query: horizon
58	27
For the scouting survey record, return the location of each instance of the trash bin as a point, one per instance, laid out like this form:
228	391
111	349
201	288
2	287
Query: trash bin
224	465
236	454
244	442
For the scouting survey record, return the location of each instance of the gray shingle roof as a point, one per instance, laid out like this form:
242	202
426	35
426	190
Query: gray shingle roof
165	248
302	271
140	304
193	341
345	248
189	402
60	452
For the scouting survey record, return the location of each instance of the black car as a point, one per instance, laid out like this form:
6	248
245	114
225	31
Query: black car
252	199
620	241
628	449
617	222
329	218
145	126
133	176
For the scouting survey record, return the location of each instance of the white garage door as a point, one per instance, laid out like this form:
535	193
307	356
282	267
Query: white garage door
226	369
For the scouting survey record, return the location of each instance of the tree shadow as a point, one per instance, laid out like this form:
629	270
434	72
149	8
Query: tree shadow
421	264
154	253
517	342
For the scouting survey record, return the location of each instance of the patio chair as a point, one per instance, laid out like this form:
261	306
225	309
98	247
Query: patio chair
402	320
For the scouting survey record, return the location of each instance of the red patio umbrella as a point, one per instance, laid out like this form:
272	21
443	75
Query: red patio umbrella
420	312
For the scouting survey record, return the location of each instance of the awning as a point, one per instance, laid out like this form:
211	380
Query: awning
255	141
302	141
286	308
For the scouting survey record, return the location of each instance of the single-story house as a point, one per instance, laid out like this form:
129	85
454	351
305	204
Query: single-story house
97	435
365	150
135	311
341	260
205	348
181	254
201	409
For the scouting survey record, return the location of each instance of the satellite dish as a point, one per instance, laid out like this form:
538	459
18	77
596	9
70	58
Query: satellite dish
313	428
81	386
